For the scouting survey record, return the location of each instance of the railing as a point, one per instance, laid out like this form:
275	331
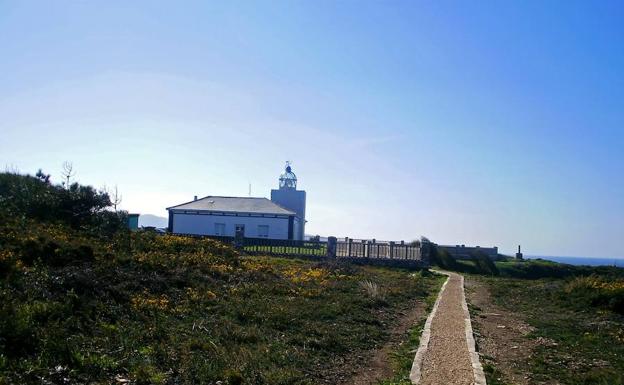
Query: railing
271	246
359	250
284	247
378	250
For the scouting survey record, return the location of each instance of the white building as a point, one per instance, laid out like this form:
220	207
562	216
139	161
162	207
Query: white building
282	217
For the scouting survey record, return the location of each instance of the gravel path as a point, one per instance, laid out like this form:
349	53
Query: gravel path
447	358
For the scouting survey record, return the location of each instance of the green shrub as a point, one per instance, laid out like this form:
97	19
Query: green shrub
52	253
443	259
81	207
484	264
17	330
8	263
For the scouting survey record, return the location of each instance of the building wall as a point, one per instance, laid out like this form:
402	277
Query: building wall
133	221
466	252
204	224
297	231
293	200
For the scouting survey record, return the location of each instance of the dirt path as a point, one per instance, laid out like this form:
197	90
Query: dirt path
447	358
370	370
501	335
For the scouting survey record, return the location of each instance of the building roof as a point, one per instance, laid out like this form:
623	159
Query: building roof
234	205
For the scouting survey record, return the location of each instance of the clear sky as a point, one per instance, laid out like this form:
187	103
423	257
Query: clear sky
488	122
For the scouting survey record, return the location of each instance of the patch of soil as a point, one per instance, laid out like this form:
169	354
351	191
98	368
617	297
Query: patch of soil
501	335
370	367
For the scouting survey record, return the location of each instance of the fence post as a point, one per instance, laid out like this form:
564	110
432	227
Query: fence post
365	245
391	250
349	244
376	248
239	239
426	249
331	247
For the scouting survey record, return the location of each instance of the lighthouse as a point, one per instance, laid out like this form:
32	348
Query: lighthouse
288	197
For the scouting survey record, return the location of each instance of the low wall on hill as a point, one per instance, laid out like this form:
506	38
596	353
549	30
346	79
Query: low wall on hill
467	252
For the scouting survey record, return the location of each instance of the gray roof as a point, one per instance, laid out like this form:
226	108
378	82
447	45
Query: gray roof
234	204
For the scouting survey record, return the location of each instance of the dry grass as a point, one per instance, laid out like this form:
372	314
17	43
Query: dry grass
373	291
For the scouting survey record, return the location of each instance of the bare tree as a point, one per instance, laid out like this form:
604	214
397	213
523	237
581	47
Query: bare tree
115	197
68	173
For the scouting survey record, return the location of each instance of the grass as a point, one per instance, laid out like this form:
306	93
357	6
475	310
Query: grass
492	375
539	268
580	342
171	310
577	312
403	357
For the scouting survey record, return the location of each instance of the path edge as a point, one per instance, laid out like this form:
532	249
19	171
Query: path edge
415	372
477	369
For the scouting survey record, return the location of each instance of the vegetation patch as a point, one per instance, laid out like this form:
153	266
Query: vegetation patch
86	301
578	335
403	356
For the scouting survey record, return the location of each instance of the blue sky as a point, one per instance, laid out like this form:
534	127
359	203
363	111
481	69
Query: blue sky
490	123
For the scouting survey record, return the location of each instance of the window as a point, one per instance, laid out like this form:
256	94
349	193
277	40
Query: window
219	228
263	231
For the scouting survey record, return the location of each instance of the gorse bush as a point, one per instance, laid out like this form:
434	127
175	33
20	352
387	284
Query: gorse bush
174	244
42	243
170	251
597	291
45	223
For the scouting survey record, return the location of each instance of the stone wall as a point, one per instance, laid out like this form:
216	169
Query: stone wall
467	252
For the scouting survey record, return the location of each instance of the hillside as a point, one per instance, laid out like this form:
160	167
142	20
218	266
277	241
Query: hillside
82	300
549	330
150	220
541	322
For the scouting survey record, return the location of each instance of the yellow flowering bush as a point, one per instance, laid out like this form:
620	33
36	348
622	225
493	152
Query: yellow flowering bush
168	243
315	275
594	282
257	265
177	251
598	291
222	268
195	295
145	301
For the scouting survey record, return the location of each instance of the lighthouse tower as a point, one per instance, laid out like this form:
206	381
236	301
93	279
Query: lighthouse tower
292	199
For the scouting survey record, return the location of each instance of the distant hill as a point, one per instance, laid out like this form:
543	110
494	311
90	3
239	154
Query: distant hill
152	220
